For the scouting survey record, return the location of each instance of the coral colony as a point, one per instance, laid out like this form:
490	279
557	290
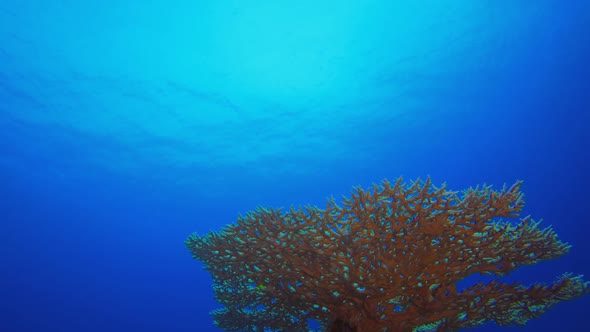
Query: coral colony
386	259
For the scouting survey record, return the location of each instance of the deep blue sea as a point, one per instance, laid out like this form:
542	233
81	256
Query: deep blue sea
127	125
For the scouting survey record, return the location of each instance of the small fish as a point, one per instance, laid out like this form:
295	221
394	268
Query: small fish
260	287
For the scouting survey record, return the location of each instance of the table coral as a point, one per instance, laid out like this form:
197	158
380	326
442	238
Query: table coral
385	259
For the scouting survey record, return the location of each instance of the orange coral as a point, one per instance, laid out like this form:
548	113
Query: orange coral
387	259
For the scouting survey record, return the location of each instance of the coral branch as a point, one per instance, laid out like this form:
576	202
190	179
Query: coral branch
386	259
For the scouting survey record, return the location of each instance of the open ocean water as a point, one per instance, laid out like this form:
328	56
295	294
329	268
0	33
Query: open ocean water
127	125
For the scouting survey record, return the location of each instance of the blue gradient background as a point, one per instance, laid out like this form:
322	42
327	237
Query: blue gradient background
127	125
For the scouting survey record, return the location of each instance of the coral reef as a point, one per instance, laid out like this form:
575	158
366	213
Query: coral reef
385	259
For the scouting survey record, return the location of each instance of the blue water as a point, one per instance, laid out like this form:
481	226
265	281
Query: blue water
127	125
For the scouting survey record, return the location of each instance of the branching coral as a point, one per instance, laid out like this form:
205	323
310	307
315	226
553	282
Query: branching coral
386	259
